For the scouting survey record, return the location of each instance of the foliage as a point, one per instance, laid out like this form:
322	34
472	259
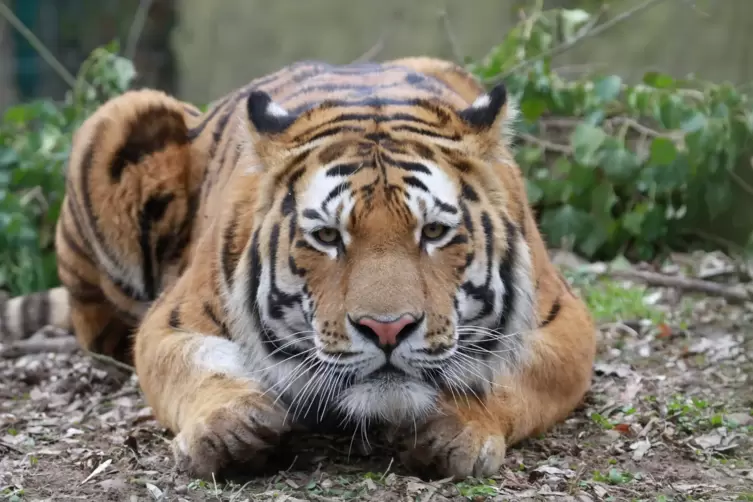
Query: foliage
35	140
617	169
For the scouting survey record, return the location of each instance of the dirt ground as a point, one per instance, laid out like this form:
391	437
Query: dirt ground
669	418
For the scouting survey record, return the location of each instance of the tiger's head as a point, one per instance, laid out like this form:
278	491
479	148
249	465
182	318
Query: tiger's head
384	267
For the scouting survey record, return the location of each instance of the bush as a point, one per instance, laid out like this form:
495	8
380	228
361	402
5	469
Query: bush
621	169
35	140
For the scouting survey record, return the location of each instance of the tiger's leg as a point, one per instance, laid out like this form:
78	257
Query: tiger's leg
469	438
199	384
125	223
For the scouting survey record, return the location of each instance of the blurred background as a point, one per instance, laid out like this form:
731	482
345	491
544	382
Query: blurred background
636	131
200	49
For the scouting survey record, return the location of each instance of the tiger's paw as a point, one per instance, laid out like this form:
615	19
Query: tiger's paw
241	432
445	447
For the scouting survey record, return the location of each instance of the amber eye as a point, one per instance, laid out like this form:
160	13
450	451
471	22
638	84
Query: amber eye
434	231
327	236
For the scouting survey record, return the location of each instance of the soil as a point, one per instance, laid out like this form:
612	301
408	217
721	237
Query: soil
669	417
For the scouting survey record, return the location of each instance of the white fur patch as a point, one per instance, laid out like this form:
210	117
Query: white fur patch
482	101
276	110
218	355
405	402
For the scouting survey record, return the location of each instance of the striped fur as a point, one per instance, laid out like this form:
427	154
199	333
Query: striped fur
326	243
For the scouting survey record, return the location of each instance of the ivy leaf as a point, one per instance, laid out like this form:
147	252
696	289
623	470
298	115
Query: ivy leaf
695	123
608	88
564	223
663	151
717	197
586	140
659	80
532	108
535	193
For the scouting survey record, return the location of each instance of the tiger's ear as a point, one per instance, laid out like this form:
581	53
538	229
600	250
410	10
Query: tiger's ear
267	124
488	110
267	117
489	117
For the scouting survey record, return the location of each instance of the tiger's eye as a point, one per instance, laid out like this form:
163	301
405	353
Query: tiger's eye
327	236
434	231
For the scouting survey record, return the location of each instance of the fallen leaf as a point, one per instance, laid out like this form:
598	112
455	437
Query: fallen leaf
101	467
708	441
640	448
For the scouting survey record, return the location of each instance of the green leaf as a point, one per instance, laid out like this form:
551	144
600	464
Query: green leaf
717	197
619	164
663	151
608	88
633	221
535	193
586	140
659	80
532	108
695	123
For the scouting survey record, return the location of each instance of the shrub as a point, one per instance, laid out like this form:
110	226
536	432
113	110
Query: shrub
615	168
35	140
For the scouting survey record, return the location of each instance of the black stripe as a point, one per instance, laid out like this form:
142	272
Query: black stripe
468	193
416	183
88	208
312	214
228	258
209	312
196	131
174	321
553	313
444	206
427	132
506	273
150	131
339	189
152	212
71	243
343	169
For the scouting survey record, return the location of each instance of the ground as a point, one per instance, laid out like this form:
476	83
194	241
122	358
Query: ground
669	417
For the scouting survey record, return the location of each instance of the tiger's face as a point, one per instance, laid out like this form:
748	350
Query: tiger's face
388	269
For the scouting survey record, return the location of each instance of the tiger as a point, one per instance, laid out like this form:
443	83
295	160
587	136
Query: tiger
328	242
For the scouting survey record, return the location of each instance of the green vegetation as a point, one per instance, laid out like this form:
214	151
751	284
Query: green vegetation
613	169
35	140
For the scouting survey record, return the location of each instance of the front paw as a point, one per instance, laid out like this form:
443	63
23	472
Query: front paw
445	446
239	432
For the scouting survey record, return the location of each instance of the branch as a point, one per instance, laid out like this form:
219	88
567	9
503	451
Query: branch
729	293
137	27
62	345
37	44
559	49
372	52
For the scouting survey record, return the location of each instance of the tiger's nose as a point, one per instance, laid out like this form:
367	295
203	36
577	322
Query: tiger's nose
385	331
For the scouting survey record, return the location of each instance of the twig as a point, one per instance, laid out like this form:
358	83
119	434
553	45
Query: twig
137	27
109	360
62	345
3	444
546	145
729	293
372	52
559	49
37	44
451	38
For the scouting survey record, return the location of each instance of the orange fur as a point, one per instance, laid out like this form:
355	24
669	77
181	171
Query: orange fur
173	220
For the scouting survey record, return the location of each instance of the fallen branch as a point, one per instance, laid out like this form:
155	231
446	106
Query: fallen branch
61	345
733	294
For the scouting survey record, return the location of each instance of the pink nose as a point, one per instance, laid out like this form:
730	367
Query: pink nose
387	332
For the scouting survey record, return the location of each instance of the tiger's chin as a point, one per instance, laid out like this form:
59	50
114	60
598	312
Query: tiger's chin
388	397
